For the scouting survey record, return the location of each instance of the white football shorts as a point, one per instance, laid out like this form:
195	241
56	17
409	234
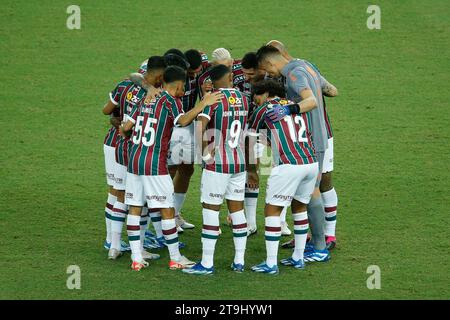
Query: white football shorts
328	157
181	149
287	182
216	186
155	191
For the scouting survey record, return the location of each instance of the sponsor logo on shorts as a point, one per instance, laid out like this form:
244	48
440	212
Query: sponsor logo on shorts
110	175
129	195
215	195
239	190
282	197
157	198
119	180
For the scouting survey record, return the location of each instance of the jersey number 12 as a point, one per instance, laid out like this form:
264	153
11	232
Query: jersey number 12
301	132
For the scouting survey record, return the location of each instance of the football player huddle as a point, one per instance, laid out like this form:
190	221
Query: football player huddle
181	109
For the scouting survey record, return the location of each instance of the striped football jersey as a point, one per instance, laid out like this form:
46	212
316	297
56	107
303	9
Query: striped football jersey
290	138
154	121
227	122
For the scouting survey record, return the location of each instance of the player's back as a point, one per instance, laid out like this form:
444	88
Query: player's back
154	121
289	138
227	123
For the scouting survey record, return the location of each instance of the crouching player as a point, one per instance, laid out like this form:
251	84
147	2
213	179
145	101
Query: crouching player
293	176
224	172
148	180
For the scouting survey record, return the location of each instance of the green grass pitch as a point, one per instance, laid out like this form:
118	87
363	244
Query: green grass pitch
391	126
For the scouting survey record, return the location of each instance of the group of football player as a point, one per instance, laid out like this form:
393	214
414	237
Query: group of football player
182	109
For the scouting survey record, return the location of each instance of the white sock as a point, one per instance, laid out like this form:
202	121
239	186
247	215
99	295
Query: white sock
134	236
272	235
108	209
250	205
143	225
169	229
283	215
178	201
300	233
210	233
118	214
155	216
330	201
239	235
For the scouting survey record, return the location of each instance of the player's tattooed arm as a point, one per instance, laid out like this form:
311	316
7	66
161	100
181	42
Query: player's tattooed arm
208	99
328	89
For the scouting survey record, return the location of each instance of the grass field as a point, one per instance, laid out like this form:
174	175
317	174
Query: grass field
391	125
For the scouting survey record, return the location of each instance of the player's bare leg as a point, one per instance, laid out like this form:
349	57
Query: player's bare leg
239	226
181	182
173	171
330	201
169	229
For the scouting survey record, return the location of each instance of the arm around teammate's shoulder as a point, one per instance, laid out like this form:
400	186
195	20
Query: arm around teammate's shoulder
209	99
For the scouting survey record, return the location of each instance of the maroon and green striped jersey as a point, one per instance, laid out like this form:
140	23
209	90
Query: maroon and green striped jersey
327	120
227	121
125	96
290	138
153	122
111	137
190	93
205	61
238	78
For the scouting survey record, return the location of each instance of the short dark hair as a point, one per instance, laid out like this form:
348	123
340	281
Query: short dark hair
172	59
155	63
194	58
176	52
249	61
274	88
174	73
218	72
266	51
